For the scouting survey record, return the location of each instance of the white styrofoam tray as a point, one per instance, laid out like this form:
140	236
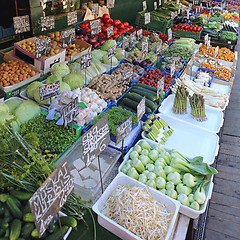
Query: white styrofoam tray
121	232
190	140
214	120
189	212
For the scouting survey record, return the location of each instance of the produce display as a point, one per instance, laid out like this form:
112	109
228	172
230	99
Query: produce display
187	28
180	100
181	51
223	73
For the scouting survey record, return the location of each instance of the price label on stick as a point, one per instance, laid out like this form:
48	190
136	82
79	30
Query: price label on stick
160	86
68	37
172	15
159	48
127	74
72	18
70	111
21	24
141	109
111	51
47	201
140	34
144	3
155	6
205	39
47	23
95	140
110	3
133	37
190	5
147	18
172	68
145	47
86	60
49	90
42	47
95	9
187	13
125	43
110	31
95	26
123	130
216	51
208	44
169	34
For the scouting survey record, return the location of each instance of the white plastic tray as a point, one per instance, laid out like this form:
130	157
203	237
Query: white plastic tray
214	116
190	140
121	232
189	212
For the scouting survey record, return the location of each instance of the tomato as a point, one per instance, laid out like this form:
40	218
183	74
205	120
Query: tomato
116	22
194	29
120	26
104	29
126	24
108	25
131	27
106	15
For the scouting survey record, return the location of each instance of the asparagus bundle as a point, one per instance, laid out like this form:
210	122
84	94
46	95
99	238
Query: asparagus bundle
180	100
157	129
197	107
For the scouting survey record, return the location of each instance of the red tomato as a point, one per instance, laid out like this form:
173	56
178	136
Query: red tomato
126	24
108	25
106	16
116	22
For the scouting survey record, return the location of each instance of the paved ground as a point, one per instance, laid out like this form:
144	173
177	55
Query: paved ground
223	221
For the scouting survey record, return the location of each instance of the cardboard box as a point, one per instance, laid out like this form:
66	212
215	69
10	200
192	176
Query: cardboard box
39	63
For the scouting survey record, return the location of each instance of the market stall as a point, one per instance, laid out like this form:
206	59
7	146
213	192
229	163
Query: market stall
111	129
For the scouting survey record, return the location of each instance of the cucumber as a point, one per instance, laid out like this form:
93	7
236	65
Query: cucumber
21	195
3	197
127	107
15	229
57	235
4	238
14	210
28	217
4	224
7	219
7	233
2	232
34	234
17	202
27	208
137	97
51	227
27	229
147	87
142	93
68	221
133	104
2	210
7	213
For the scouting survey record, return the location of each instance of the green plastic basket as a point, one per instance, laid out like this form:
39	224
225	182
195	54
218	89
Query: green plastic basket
187	34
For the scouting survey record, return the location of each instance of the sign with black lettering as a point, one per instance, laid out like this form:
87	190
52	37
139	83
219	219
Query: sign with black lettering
49	90
159	48
216	51
123	130
95	26
125	43
70	111
110	31
160	86
127	74
42	47
111	52
68	37
155	6
95	140
147	18
72	18
172	15
133	37
144	4
172	68
145	47
47	23
169	34
141	109
110	3
139	34
86	60
95	9
187	13
205	39
21	24
47	201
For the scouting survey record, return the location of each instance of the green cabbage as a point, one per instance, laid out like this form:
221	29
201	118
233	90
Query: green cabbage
120	53
98	54
26	111
61	69
31	88
4	107
54	78
108	44
13	104
74	80
101	69
108	61
64	86
36	96
75	67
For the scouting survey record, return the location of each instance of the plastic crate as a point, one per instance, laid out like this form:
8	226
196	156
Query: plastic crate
210	72
187	34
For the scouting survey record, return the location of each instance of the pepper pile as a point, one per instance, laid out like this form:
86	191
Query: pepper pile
187	27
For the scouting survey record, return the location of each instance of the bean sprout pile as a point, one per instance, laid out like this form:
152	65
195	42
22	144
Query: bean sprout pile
135	209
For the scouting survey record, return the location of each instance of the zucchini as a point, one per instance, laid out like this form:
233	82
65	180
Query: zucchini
127	107
27	229
142	93
28	217
68	221
15	229
57	235
21	195
3	197
147	87
133	104
14	210
145	90
137	97
2	232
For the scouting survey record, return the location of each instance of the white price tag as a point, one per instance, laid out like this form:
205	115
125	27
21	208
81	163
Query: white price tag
216	51
205	39
72	18
110	31
21	24
172	15
159	3
144	4
110	3
159	48
169	34
190	6
141	109
95	9
160	86
95	27
155	6
125	43
139	34
147	18
145	47
187	13
208	44
172	69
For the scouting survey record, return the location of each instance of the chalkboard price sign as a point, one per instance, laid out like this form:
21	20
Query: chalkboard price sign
68	37
95	140
141	109
47	23
160	86
86	60
110	3
95	8
46	202
145	47
42	47
95	26
72	18
123	130
21	24
125	43
147	18
139	34
111	52
110	31
70	111
49	90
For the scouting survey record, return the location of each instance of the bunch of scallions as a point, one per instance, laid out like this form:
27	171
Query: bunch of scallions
180	100
197	104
